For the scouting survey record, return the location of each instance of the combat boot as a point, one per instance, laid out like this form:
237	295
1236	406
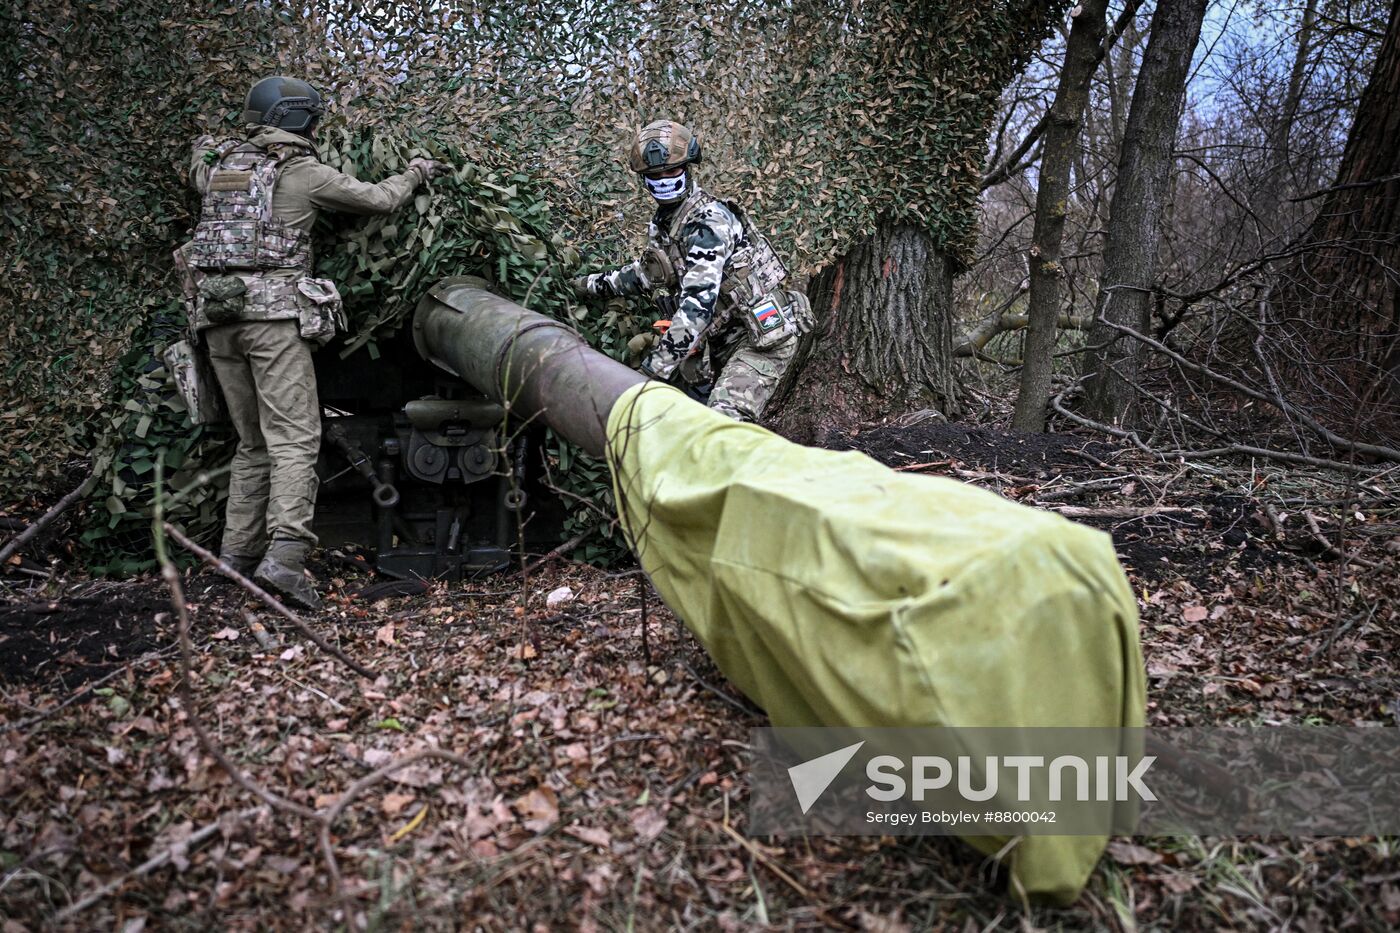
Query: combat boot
240	562
283	571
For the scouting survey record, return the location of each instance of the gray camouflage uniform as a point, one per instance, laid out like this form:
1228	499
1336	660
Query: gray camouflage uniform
721	265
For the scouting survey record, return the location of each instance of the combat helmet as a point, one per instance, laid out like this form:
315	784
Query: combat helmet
663	145
285	103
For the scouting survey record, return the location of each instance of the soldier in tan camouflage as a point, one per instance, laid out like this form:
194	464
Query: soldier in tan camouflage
704	256
253	304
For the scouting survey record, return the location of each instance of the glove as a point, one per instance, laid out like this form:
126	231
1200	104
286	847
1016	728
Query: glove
582	286
429	168
640	344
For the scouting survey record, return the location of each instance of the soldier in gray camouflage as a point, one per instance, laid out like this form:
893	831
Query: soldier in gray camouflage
256	311
718	277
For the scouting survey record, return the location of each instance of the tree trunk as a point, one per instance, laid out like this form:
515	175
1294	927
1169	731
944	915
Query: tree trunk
1348	288
1277	149
883	344
1082	53
1139	197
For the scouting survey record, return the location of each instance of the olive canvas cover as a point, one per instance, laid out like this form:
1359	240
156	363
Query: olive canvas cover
835	591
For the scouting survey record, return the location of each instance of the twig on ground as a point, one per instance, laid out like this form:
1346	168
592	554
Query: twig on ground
737	704
1123	511
267	599
184	685
644	584
762	858
328	817
87	689
920	467
263	637
1243	450
1332	548
559	551
1075	490
152	863
43	521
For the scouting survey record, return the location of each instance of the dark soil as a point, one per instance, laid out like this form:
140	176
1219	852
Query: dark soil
1221	532
78	638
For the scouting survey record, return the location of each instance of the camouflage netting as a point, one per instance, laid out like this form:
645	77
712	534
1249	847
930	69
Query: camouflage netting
822	116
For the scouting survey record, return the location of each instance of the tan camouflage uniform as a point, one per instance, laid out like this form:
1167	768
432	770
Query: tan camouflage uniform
253	302
722	267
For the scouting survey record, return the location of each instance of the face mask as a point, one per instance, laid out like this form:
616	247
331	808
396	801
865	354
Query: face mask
666	189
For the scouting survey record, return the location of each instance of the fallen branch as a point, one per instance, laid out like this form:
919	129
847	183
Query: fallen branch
1123	511
328	817
920	467
184	684
1331	437
1057	402
267	599
28	534
86	690
559	551
1332	548
1075	490
763	859
1237	450
324	817
151	864
977	340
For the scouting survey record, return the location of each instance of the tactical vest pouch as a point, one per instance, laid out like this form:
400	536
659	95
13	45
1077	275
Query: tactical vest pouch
195	382
321	314
221	298
657	269
771	320
802	312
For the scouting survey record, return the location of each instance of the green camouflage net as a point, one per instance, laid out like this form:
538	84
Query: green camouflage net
823	118
475	221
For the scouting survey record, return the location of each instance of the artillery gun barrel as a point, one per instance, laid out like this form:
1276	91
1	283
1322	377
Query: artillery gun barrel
533	365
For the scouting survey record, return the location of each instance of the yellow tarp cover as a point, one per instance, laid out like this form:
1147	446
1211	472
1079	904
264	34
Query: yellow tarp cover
836	592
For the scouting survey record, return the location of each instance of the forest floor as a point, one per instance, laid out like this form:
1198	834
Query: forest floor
600	772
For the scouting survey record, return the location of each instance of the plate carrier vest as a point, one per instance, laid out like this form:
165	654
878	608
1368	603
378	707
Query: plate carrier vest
237	231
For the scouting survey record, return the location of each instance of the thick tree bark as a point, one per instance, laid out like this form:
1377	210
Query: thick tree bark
1082	53
1139	198
1348	287
883	344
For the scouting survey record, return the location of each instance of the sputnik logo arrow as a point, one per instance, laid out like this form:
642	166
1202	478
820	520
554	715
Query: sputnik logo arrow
811	778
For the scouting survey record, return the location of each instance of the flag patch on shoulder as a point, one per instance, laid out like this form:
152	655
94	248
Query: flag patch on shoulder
766	313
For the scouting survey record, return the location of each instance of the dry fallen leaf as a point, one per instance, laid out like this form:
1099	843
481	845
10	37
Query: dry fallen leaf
393	804
591	834
1127	853
648	822
539	809
385	634
1195	613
